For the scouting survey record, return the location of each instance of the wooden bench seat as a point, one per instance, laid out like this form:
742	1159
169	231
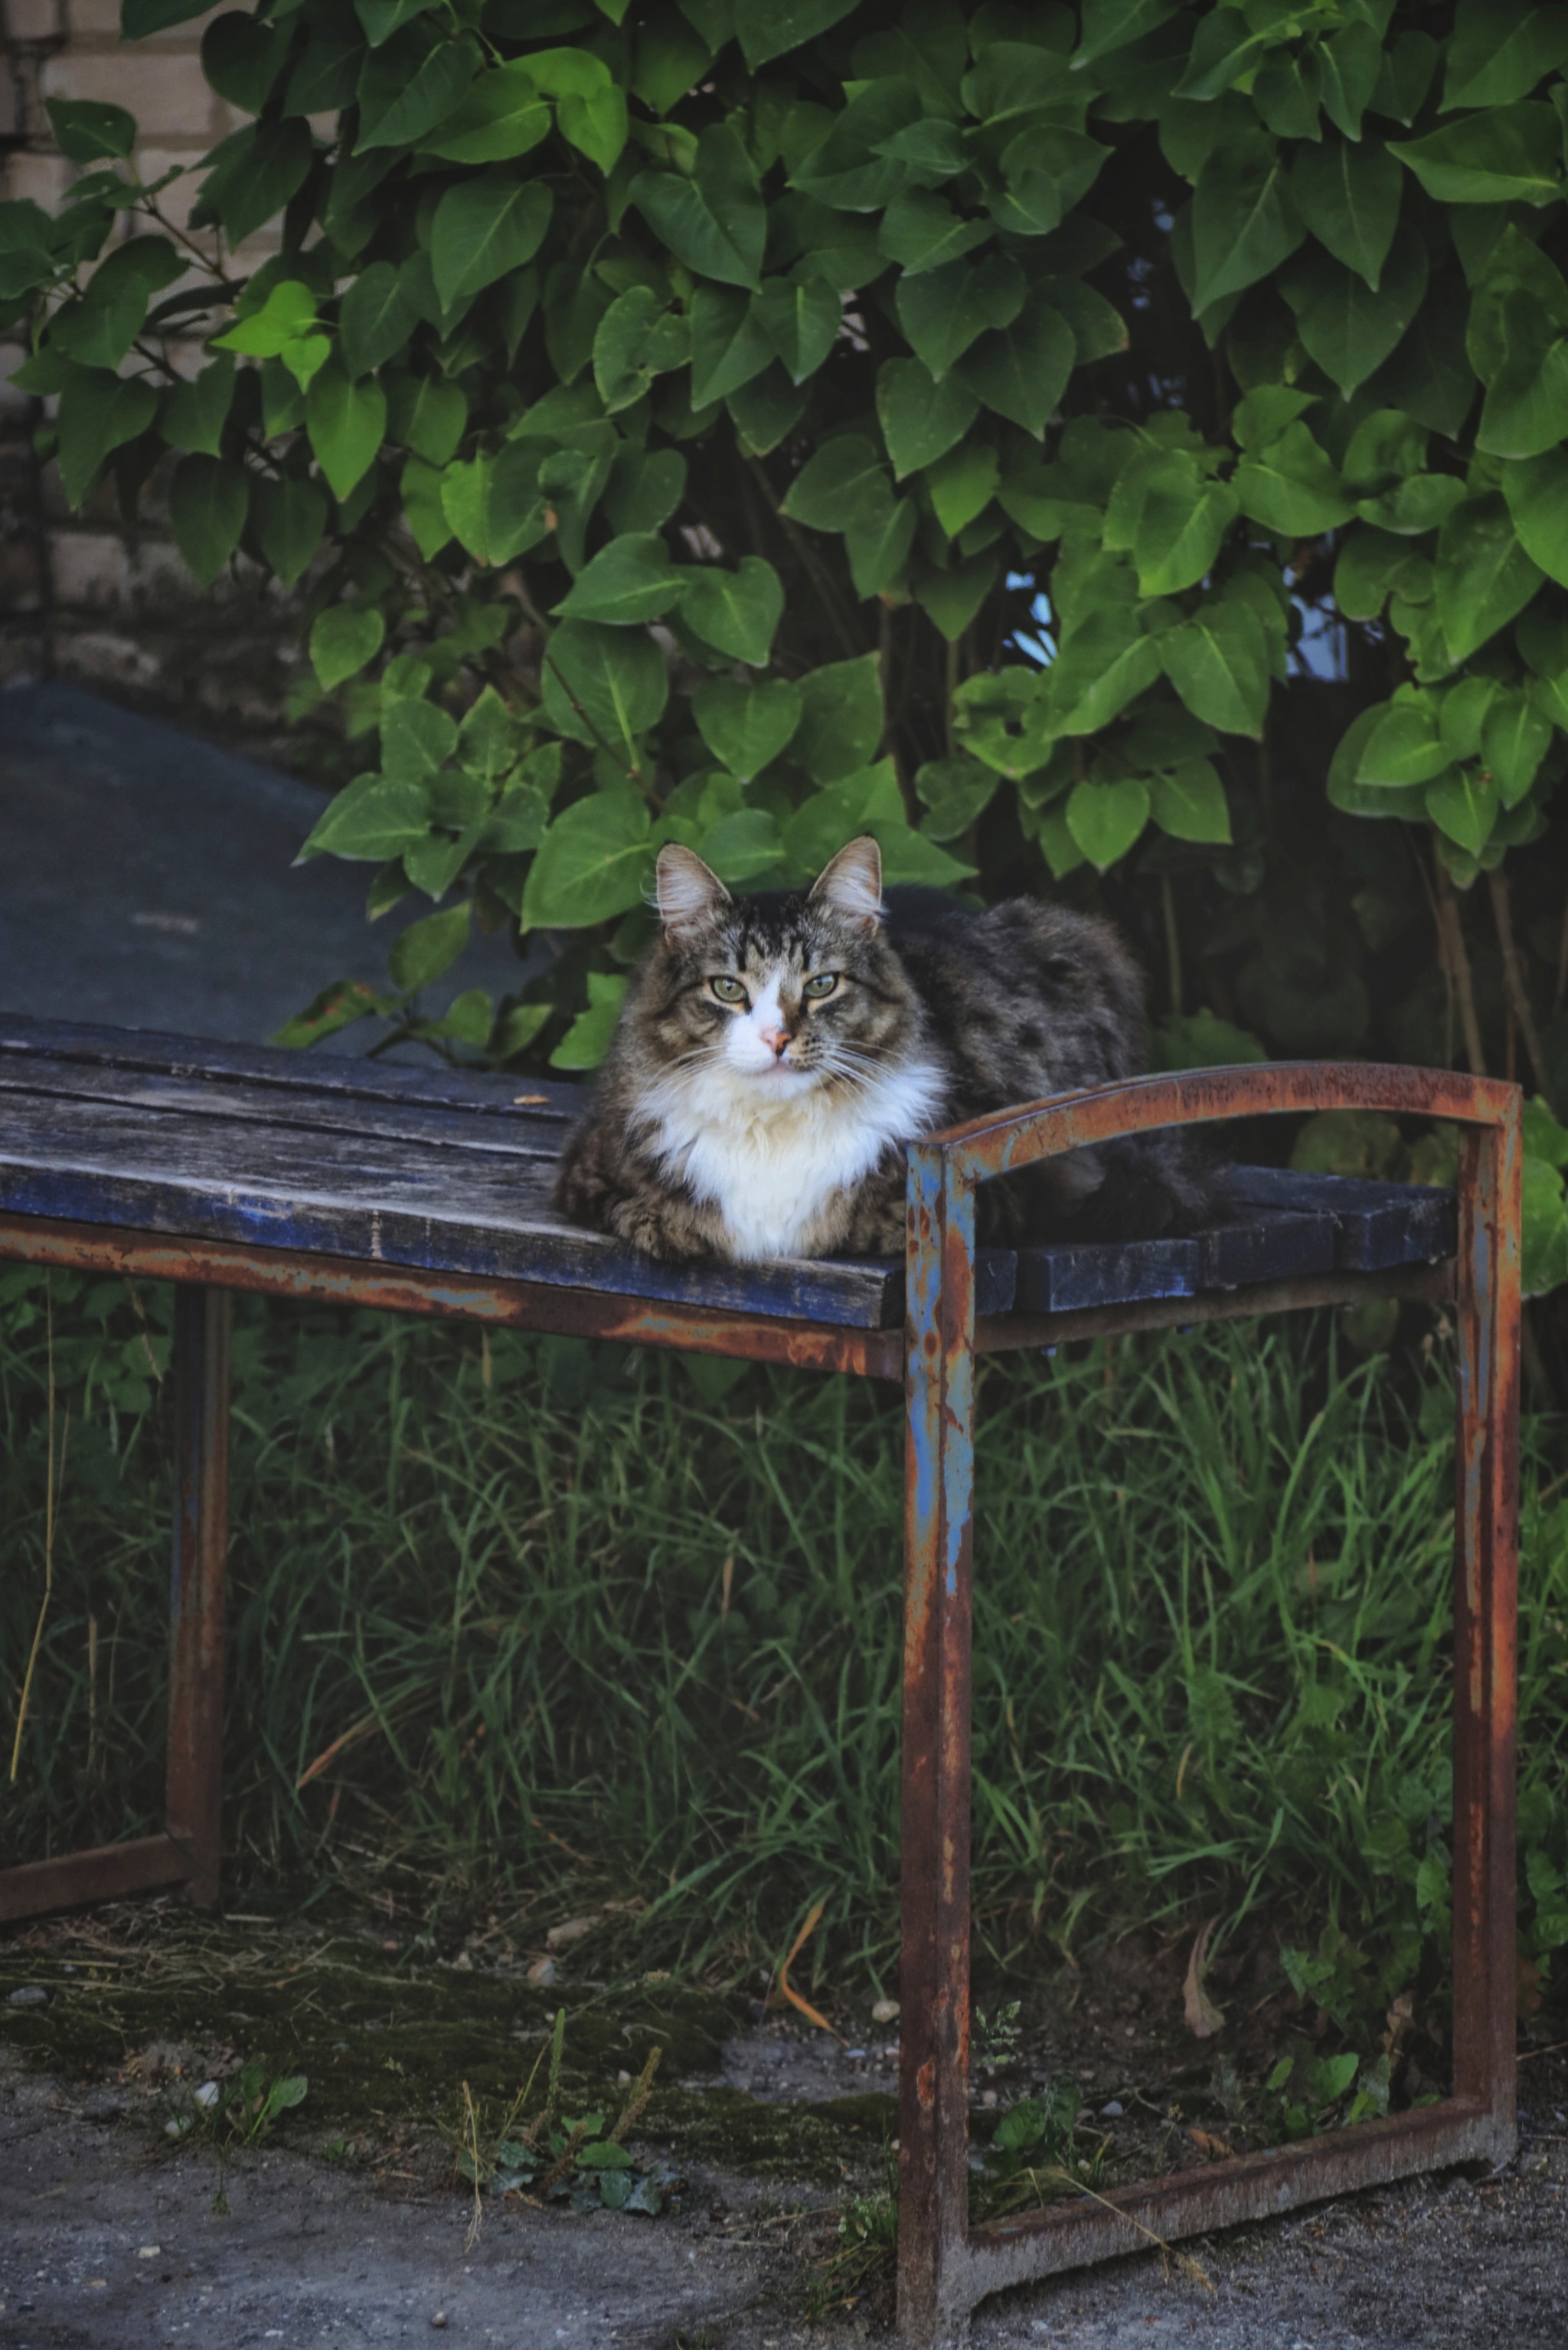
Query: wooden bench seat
427	1191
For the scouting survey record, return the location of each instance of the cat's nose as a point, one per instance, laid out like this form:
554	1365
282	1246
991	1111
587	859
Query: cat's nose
776	1040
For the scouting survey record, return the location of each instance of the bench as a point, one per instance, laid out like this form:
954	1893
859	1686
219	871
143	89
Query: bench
221	1167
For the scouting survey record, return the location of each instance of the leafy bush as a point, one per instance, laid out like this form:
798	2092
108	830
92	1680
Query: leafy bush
1054	440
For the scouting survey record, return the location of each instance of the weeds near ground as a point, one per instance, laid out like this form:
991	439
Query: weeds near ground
500	1602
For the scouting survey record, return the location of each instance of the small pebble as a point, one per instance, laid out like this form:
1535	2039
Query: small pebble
1113	2112
885	2012
28	1995
439	2320
623	2080
543	1970
208	2093
148	2252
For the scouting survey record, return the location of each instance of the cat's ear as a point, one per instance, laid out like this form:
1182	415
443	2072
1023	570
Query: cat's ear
852	883
688	894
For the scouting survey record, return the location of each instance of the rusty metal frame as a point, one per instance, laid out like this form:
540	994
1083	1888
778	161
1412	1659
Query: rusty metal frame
945	2265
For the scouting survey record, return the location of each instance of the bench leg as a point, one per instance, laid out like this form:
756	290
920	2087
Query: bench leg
202	1319
1486	1599
934	1990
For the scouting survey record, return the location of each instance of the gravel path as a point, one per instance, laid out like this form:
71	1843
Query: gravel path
103	2247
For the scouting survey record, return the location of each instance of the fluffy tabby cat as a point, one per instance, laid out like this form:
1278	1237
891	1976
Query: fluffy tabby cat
774	1054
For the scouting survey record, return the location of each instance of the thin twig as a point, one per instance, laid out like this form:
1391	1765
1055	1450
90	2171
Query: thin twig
788	1988
51	1494
1513	979
1451	943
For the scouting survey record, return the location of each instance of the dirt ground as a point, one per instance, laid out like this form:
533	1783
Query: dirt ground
347	2226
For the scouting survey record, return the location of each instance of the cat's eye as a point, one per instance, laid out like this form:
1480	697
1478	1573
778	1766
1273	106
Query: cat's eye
727	990
823	983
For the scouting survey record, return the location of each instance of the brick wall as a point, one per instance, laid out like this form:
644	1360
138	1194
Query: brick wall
90	596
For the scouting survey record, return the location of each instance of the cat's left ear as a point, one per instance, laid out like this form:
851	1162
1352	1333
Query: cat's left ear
689	894
852	883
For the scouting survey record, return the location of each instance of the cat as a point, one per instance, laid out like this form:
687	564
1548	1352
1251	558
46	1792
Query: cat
774	1054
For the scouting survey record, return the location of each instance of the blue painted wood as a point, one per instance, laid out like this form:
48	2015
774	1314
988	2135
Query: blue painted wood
1377	1225
1069	1275
1267	1247
451	1170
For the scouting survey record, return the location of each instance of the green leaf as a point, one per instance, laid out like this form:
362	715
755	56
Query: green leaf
289	517
501	117
833	481
137	18
288	312
1404	746
603	686
1106	662
428	947
594	123
1537	496
375	320
1188	802
483	227
409	86
242	58
1114	24
743	845
1045	171
955	792
639	338
630	580
878	535
1484	578
1203	1041
1219	663
841	718
1545	1223
942	311
209	499
1543	1137
1021	371
1105	820
1350	63
99	413
728	344
1464	806
920	418
1181	526
337	1007
342	639
736	613
747	726
953	596
1350	197
370	821
1509	154
1291	486
963	484
770	28
346	423
255	173
426	415
1500	49
850	171
496	506
1347	327
646	488
583	1046
715	222
593	863
921	231
766	410
417	738
1515	739
1525	413
194	414
800	315
88	131
1245	224
379	19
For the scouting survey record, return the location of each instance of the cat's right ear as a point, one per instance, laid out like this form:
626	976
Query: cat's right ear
852	883
688	894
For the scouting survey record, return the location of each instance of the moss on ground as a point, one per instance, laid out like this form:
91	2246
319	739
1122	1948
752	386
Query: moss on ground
388	2043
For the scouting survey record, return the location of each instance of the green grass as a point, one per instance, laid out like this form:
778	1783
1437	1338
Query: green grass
537	1599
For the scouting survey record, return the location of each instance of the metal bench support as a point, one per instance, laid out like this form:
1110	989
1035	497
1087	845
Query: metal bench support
946	2265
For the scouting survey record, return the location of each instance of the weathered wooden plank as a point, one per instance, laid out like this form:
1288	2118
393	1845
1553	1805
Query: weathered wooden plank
1376	1225
1269	1247
338	1074
387	1203
520	1132
1070	1276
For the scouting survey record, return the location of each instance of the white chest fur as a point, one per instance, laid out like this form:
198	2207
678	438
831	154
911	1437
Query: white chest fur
774	1155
